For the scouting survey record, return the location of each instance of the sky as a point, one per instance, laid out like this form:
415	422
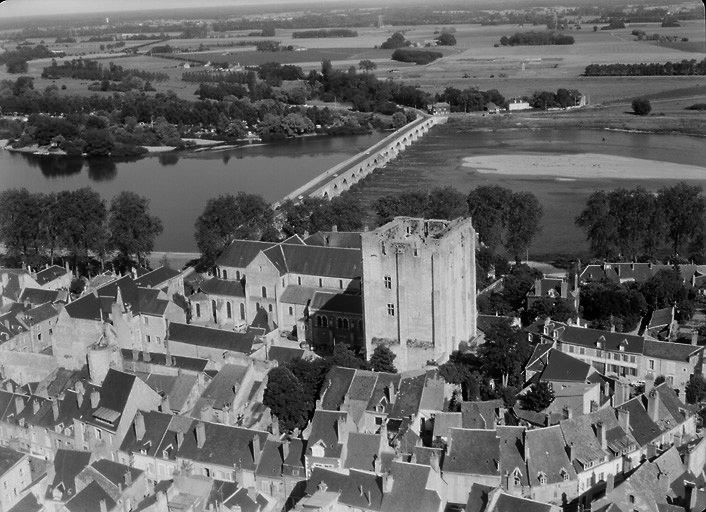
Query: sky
14	8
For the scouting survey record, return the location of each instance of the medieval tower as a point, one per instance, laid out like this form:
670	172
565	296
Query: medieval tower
419	288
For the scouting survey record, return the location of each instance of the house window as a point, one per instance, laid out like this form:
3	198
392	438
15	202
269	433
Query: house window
652	364
339	323
148	338
318	320
571	348
384	252
264	292
582	351
198	310
237	275
616	357
391	310
416	252
388	282
242	311
39	337
632	359
229	310
625	358
269	308
225	274
291	310
340	284
632	498
321	283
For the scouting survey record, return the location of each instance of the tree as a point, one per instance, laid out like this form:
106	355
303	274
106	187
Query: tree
547	307
367	65
227	218
539	397
132	229
487	206
343	356
523	225
398	120
446	39
98	142
445	203
20	220
684	210
284	396
641	106
695	390
82	215
659	380
607	304
599	225
396	40
504	353
383	359
664	289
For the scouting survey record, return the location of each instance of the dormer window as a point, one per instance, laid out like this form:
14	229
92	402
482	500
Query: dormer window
622	347
555	334
564	474
542	477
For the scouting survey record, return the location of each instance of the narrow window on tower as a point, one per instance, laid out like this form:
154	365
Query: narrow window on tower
391	310
388	282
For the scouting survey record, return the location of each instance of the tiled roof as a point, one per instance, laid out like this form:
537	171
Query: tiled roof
409	490
344	239
223	287
115	472
509	503
224	445
36	296
443	421
114	394
240	253
362	451
284	354
219	392
39	314
349	487
49	274
270	464
294	294
409	396
316	261
27	504
88	497
8	458
512	451
338	381
156	276
210	337
670	350
156	425
474	452
185	363
362	386
87	307
547	455
562	367
324	431
337	303
382	389
642	427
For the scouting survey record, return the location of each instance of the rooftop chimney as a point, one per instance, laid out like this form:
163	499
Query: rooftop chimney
164	406
35	406
624	420
568	412
128	478
79	393
95	398
256	449
653	405
388	482
139	426
601	434
19	404
103	506
694	337
334	228
55	409
200	432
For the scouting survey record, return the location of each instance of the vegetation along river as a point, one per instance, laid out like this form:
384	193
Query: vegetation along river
178	186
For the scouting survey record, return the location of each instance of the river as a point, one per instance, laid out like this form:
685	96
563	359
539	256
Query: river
179	185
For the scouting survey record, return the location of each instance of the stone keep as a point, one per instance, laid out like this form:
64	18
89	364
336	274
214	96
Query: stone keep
419	288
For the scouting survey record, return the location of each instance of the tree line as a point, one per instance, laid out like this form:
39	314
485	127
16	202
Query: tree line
38	227
637	225
87	69
536	39
324	33
16	60
420	57
685	67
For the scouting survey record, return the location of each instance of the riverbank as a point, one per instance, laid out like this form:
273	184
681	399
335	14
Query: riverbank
582	166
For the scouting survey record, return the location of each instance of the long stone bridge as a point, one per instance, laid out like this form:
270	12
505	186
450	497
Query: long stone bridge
341	177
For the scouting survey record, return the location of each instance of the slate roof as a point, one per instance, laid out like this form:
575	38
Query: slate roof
512	454
115	472
141	300
294	460
87	307
156	276
240	253
271	461
473	452
224	446
156	425
27	504
478	498
176	387
87	499
39	314
382	390
36	296
316	261
362	451
562	367
443	421
49	274
224	287
362	386
210	337
408	396
480	415
610	340
409	490
219	392
185	363
338	381
639	272
323	429
337	303
670	350
509	503
547	455
349	487
345	239
294	294
8	458
114	394
284	354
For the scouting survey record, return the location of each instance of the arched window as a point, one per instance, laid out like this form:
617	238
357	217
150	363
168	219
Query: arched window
198	310
225	274
339	323
214	310
229	310
318	320
345	323
242	311
299	280
269	307
325	321
264	292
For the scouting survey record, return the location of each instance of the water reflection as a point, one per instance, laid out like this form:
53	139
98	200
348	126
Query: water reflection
168	159
101	169
55	166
